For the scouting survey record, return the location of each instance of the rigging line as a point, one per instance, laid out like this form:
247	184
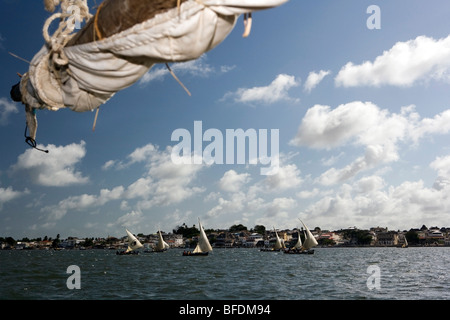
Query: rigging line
31	142
20	58
95	119
176	78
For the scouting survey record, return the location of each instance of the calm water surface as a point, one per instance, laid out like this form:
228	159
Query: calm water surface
229	274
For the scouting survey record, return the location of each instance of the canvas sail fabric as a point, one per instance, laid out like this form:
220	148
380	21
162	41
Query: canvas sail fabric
82	77
298	244
203	244
279	244
133	242
162	245
310	241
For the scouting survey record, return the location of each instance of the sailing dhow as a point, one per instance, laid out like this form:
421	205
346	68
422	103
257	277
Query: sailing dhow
162	245
203	246
305	248
279	244
133	244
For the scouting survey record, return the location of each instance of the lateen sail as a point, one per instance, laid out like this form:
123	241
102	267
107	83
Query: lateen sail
133	242
298	245
203	244
310	241
118	45
162	245
278	244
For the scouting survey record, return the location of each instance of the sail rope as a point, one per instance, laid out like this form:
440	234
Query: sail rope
31	142
96	28
72	11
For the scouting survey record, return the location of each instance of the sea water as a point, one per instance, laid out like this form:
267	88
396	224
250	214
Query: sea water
228	274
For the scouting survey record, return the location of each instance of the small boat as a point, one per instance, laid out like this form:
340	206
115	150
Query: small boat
133	245
278	246
405	243
162	246
203	246
304	248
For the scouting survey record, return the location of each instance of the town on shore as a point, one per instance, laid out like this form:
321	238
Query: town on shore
238	236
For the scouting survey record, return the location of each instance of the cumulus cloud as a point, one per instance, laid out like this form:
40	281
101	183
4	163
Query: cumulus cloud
363	124
405	64
314	78
163	183
130	219
276	91
6	108
371	201
57	168
9	194
82	202
232	181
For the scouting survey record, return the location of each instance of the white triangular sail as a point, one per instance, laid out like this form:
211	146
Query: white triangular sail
310	241
162	245
133	242
203	244
298	245
279	244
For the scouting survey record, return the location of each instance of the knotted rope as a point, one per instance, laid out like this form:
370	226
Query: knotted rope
72	12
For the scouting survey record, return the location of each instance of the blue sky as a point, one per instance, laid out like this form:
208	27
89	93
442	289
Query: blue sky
363	118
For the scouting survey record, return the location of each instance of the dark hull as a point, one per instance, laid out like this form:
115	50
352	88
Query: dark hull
189	253
123	253
270	250
299	251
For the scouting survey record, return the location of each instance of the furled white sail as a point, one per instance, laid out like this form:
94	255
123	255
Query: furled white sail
310	241
133	242
203	244
84	76
162	245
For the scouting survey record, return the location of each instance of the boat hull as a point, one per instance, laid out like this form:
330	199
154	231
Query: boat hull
124	253
189	253
270	250
299	251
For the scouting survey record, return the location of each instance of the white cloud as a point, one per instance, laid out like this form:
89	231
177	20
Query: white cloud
130	219
6	108
8	194
275	91
82	202
196	68
324	128
314	78
232	181
364	125
371	201
287	177
405	64
442	166
163	184
56	168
